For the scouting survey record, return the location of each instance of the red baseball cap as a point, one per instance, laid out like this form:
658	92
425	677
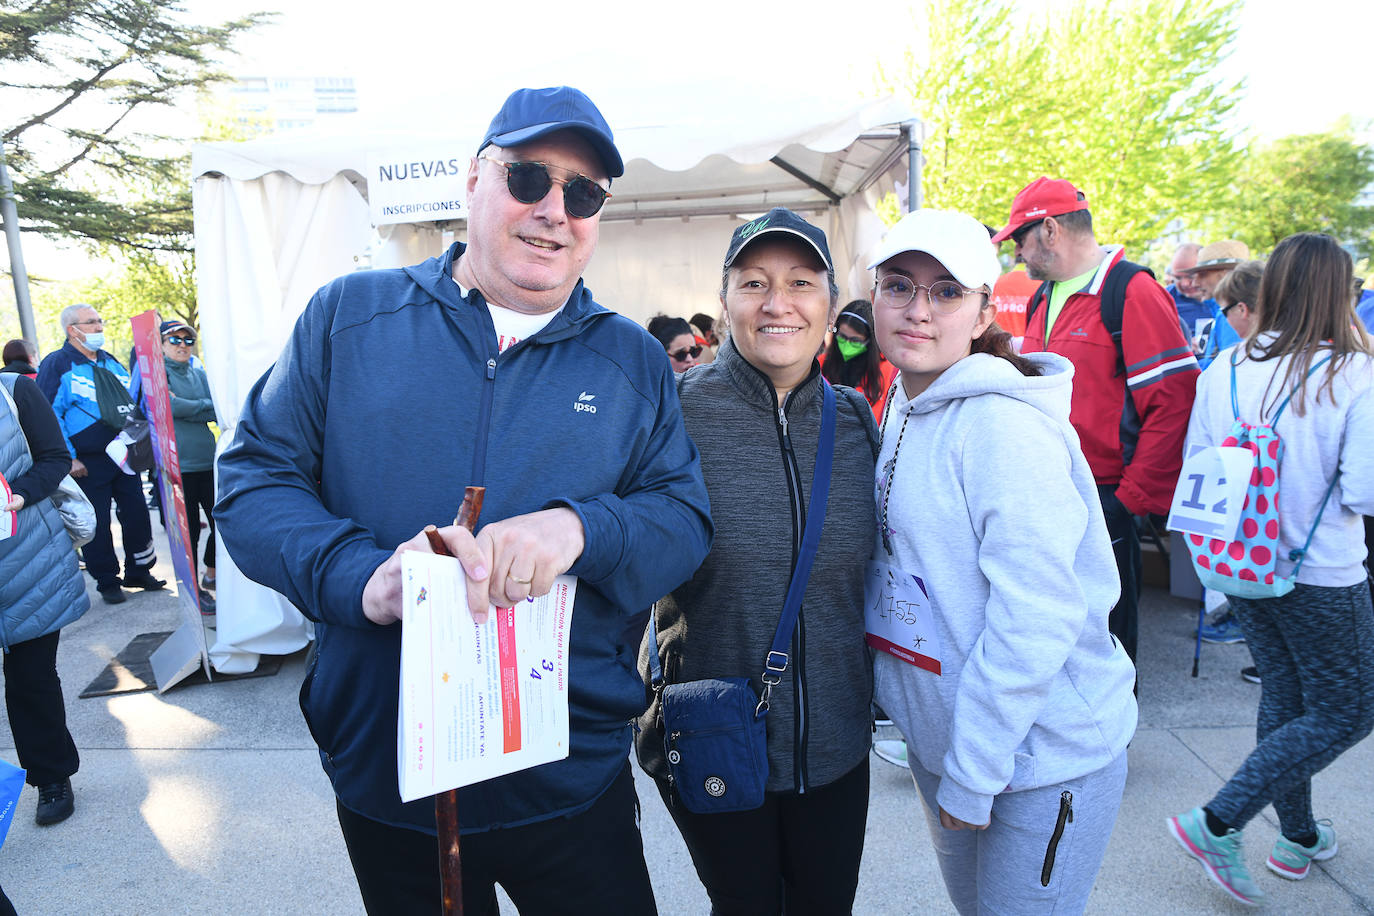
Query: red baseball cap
1041	198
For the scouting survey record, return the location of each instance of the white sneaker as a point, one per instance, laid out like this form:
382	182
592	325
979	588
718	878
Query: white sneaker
892	750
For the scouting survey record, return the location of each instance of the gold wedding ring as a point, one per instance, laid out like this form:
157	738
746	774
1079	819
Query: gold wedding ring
517	580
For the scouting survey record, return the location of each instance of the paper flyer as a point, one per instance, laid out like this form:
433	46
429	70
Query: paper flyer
478	701
9	521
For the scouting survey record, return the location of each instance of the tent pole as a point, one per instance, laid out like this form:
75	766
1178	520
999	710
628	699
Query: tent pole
913	164
10	214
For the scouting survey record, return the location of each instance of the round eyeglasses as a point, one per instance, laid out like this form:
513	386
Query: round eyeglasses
897	292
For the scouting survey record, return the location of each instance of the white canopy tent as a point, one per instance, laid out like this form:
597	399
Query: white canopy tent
277	217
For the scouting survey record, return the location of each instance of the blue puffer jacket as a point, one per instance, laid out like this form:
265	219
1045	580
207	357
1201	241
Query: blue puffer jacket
41	589
333	466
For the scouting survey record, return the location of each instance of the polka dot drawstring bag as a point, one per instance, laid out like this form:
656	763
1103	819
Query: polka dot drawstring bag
1245	564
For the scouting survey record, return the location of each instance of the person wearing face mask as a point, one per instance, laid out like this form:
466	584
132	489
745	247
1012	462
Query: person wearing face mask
72	378
853	359
678	341
1014	698
755	414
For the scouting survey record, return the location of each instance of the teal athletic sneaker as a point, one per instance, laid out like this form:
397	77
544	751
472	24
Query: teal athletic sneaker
1289	860
1220	856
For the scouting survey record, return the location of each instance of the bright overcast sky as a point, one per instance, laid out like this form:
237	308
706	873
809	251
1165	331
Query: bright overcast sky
1302	71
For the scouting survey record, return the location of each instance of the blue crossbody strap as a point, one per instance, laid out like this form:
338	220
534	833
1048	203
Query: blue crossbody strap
777	660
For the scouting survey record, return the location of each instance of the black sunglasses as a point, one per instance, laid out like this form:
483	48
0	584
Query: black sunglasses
528	182
681	355
177	340
1019	236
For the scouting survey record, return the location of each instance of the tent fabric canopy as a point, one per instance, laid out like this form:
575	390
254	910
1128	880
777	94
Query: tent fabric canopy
279	216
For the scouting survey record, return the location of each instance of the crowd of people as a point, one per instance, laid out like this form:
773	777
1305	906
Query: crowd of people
744	483
57	418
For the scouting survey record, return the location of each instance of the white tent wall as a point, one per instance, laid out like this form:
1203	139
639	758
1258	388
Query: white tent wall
262	249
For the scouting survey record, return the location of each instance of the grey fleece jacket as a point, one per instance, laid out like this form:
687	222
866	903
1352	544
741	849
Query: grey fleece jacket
722	621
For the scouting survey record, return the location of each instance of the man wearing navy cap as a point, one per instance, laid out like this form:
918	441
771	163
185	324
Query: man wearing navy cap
333	472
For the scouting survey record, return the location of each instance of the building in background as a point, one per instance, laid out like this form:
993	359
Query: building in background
286	102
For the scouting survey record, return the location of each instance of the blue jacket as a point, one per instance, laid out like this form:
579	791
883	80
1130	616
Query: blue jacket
332	467
41	588
67	378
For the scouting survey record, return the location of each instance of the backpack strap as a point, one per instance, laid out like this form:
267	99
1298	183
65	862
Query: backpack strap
1042	292
1299	554
1284	403
1113	304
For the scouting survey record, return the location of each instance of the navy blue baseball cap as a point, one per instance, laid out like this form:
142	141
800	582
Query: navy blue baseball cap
778	219
529	114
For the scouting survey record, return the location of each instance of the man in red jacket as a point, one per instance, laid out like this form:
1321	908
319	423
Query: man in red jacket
1131	422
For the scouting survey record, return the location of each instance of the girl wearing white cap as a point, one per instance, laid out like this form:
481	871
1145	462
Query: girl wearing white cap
991	584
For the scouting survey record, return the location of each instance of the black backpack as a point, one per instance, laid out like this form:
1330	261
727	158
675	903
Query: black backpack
1113	303
112	397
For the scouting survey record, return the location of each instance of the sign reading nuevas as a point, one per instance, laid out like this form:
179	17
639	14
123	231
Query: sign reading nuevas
417	185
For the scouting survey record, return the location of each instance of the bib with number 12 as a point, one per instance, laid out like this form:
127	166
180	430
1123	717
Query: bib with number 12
1210	495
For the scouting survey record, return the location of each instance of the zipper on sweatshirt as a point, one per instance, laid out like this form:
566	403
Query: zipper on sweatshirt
479	454
1065	816
799	733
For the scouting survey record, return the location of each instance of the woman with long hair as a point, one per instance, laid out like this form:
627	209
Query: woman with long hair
989	592
1314	645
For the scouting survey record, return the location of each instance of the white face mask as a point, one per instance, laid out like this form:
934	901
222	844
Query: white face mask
95	340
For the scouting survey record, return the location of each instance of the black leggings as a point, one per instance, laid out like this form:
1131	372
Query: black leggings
798	853
198	489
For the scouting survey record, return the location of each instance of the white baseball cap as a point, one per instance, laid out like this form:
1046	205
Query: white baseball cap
956	240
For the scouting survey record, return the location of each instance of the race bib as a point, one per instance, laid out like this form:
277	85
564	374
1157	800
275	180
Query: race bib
898	617
1211	492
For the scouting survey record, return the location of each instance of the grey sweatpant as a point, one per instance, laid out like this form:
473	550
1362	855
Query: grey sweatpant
1314	648
999	870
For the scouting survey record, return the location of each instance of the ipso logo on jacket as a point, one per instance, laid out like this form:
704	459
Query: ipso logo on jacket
583	403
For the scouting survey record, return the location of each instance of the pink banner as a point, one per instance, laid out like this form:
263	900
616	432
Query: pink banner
157	401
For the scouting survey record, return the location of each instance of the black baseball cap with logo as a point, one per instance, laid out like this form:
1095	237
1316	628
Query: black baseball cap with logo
778	219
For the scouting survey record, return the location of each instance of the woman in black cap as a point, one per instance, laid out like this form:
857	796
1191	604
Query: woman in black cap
192	413
755	414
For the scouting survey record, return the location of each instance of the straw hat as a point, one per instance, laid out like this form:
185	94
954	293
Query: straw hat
1225	254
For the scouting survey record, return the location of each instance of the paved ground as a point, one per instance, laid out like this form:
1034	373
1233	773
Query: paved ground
210	798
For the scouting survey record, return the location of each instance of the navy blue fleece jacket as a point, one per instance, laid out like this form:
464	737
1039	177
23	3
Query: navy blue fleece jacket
333	466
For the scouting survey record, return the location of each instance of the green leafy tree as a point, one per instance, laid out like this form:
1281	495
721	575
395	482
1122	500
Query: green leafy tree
1121	99
1303	183
76	77
162	282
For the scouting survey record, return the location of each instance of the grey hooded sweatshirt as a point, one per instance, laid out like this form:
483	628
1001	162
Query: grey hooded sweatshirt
994	506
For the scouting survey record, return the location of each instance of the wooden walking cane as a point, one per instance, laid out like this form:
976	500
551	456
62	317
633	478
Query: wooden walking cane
446	803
